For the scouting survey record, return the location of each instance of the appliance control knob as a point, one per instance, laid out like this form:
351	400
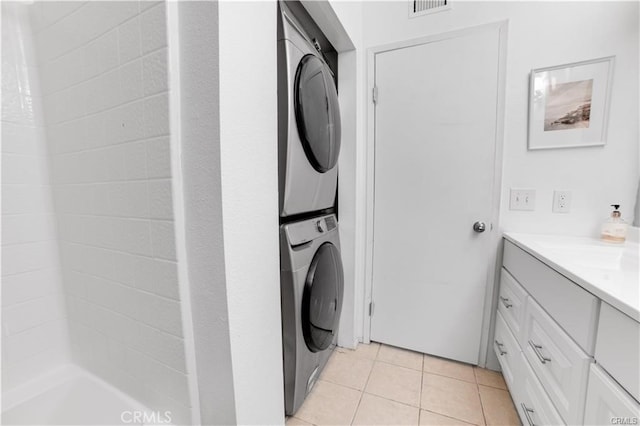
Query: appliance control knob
319	226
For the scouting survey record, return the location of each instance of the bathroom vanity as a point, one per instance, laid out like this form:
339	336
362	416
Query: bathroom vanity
567	332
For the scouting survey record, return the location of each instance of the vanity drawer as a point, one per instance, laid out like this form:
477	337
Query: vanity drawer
618	348
606	400
575	309
511	301
561	366
532	403
508	351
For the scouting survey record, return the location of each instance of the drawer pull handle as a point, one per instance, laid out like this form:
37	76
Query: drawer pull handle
505	302
536	349
499	346
527	413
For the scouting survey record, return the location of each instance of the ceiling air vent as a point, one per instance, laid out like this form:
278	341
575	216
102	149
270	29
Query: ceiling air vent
424	7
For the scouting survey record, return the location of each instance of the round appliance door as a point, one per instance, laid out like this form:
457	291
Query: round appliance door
322	298
317	113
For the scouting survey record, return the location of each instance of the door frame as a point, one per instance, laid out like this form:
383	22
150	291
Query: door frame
495	235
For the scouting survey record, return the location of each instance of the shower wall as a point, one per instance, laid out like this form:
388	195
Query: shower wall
34	332
104	74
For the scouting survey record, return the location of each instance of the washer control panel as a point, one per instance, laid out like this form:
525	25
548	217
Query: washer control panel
307	230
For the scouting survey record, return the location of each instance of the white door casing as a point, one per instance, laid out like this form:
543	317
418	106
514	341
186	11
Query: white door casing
437	155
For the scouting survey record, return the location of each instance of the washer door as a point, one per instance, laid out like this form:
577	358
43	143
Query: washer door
322	298
317	113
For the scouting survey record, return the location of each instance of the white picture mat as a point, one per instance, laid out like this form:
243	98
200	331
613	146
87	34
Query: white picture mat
600	71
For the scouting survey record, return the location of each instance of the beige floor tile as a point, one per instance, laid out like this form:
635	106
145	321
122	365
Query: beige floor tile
369	351
498	406
401	357
490	378
294	421
445	367
452	398
427	418
374	410
329	404
396	383
345	368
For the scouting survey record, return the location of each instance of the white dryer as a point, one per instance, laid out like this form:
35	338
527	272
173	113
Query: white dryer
308	122
312	287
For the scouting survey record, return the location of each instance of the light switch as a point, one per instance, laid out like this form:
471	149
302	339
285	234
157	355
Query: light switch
522	199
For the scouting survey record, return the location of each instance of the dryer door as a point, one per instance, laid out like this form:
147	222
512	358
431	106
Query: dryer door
322	298
317	113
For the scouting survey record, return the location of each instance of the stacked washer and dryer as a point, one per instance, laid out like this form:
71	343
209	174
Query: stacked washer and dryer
311	275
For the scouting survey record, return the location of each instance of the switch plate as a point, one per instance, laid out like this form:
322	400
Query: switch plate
561	201
522	199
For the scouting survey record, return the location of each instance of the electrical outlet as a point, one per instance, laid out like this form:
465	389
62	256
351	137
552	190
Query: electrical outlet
522	199
561	201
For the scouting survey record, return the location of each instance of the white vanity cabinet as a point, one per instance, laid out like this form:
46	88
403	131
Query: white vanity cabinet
608	402
555	346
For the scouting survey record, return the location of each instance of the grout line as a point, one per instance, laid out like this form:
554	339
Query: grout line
109	109
137	320
120	65
107	182
133	287
484	416
146	256
421	387
364	388
91	40
449	417
397	365
50	24
110	145
450	377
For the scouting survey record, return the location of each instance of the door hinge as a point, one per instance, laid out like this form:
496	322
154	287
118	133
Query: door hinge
374	94
370	309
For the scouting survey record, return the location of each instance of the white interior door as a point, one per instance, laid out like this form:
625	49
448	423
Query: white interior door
435	146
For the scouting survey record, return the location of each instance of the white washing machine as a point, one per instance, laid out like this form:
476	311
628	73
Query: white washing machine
308	122
312	287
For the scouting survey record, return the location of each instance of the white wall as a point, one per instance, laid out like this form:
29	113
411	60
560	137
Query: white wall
34	328
544	34
249	179
106	96
199	146
351	197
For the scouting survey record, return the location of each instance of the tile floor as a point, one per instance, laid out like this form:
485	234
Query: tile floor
383	385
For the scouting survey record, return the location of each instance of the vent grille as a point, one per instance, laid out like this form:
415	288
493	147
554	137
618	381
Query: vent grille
424	7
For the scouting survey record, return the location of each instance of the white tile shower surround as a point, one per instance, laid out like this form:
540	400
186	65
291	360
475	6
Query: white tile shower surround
383	385
104	77
34	332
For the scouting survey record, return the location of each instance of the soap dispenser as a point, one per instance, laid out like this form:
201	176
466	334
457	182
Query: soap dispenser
614	229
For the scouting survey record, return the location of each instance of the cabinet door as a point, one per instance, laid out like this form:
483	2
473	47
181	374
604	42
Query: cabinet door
618	348
559	363
508	352
511	302
607	402
532	403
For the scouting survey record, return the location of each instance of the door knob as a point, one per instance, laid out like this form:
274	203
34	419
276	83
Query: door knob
479	226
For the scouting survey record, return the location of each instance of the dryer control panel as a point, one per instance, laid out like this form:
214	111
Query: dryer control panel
307	230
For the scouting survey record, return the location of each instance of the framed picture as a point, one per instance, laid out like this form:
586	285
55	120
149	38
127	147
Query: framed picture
569	104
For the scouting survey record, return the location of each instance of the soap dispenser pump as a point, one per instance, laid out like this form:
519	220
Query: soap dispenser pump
614	229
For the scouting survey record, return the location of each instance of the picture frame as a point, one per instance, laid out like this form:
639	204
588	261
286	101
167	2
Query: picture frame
569	104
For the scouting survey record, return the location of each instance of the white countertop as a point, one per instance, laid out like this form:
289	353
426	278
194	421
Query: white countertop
609	271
